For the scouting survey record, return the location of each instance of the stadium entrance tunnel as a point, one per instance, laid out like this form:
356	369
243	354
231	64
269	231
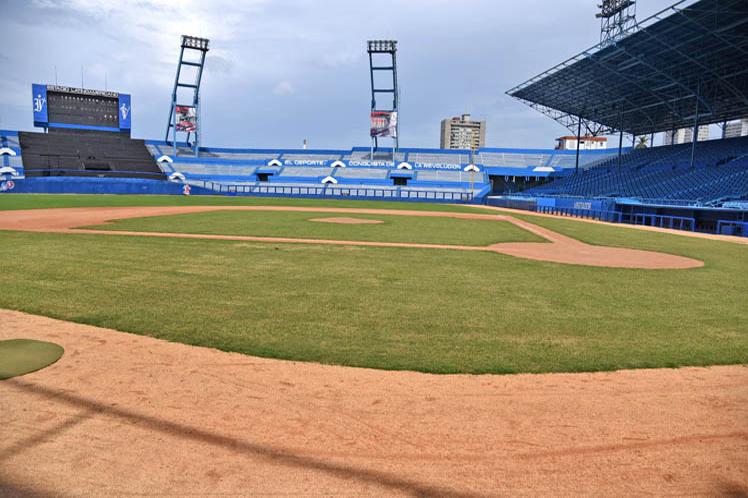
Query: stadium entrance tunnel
401	176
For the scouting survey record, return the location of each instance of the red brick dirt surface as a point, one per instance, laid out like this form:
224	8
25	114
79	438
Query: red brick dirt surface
125	415
558	248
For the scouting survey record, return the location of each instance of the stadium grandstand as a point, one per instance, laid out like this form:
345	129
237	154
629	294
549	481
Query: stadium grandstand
683	67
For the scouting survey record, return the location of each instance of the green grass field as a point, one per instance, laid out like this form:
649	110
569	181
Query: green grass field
394	308
45	201
410	229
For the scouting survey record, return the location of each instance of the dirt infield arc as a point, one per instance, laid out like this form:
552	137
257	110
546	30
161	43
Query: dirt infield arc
559	249
125	415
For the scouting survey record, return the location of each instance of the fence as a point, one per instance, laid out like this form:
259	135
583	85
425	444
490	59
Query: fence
661	220
338	192
592	214
730	227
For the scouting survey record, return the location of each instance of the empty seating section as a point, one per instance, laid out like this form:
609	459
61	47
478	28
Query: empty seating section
586	160
435	175
304	171
248	171
262	156
436	158
517	160
539	158
362	173
86	153
9	140
293	156
15	162
719	173
210	169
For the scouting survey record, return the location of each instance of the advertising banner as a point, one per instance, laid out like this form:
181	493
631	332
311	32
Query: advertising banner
39	101
186	118
124	107
383	124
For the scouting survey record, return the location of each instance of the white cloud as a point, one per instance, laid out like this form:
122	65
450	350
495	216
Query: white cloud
453	57
283	88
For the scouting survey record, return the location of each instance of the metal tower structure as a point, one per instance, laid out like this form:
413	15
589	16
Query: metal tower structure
383	60
616	18
184	115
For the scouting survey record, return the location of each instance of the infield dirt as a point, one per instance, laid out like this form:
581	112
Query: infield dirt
562	249
122	415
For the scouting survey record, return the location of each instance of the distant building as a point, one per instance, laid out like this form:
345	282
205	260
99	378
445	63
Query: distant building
462	133
685	135
736	128
587	142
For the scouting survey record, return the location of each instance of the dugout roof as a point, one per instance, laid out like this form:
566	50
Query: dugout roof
649	80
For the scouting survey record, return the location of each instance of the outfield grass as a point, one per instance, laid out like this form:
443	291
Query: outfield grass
411	229
429	310
43	201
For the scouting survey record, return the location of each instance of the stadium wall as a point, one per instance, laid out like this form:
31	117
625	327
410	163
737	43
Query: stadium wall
701	219
83	185
133	186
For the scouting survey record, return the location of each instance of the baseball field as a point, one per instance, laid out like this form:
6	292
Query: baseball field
404	308
429	289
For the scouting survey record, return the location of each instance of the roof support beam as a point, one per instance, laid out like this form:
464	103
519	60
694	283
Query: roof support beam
717	78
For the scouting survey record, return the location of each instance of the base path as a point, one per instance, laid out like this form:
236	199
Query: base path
683	233
125	415
558	249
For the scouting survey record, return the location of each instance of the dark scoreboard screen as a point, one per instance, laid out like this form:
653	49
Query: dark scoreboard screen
71	107
66	107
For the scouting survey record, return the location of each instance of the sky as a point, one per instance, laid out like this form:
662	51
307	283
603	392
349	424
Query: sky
280	71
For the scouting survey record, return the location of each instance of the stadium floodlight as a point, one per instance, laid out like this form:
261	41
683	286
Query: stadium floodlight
382	46
184	111
195	42
384	112
616	18
609	8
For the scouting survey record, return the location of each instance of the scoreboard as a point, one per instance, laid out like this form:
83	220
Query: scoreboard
80	108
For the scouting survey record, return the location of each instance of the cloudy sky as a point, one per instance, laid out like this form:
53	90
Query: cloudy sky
280	71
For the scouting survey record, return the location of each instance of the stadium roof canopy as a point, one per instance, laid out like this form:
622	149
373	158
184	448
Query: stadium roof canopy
650	80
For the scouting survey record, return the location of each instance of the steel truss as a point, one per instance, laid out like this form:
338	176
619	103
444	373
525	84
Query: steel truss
383	59
682	67
192	47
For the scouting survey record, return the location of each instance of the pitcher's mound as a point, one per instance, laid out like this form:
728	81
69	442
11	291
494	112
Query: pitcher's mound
348	221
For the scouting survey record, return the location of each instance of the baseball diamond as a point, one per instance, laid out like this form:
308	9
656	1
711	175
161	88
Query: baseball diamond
213	311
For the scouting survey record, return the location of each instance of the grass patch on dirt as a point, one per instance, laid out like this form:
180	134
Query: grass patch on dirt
23	356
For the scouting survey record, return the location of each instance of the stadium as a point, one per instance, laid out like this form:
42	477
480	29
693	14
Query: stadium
185	319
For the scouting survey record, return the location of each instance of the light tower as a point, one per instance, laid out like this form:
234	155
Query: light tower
384	118
616	17
184	115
